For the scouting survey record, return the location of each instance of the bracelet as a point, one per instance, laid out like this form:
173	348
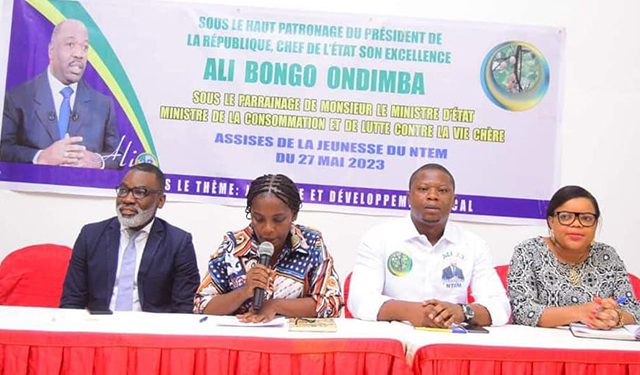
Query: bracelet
620	319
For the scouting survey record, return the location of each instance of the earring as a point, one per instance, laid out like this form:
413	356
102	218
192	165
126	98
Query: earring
552	237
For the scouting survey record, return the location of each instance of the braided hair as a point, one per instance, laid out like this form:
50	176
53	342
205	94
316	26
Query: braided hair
277	184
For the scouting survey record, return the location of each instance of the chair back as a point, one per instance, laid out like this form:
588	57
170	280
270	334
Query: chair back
635	284
502	271
33	275
345	292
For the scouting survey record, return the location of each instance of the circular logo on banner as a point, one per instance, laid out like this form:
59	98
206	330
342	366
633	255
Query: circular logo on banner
515	75
146	157
399	264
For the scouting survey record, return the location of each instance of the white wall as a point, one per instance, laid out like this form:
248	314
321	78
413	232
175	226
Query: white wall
599	135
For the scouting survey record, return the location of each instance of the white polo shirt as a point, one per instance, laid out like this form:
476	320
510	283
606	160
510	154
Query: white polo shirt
396	262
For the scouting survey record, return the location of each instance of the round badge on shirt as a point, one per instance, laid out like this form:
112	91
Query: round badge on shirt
399	264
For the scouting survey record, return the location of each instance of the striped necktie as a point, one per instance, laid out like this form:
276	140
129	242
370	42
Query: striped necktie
124	299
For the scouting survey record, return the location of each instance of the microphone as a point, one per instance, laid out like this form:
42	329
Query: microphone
75	116
265	251
51	116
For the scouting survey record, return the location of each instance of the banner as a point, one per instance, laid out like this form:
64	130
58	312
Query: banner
346	105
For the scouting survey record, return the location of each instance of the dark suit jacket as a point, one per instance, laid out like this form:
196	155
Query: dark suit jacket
29	121
167	277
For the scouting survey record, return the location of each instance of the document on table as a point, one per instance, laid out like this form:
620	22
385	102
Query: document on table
232	321
312	325
628	332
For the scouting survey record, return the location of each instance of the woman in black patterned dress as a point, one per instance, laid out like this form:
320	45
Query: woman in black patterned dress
568	277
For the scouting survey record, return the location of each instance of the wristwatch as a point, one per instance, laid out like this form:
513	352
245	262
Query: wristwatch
468	312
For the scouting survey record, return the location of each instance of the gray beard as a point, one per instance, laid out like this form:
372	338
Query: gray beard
137	220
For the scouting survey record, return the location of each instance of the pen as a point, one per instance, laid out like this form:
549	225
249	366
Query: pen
433	329
446	330
203	319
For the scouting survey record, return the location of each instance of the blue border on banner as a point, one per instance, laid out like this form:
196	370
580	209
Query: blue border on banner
221	187
64	176
336	195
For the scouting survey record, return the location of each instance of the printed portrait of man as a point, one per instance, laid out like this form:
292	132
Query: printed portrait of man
57	118
452	272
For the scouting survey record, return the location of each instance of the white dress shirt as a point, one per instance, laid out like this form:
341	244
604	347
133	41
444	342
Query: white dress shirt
56	87
396	262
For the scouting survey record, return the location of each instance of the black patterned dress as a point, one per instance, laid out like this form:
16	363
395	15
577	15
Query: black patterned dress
537	280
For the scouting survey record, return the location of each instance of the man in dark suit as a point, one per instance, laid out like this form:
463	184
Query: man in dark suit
451	272
57	118
134	261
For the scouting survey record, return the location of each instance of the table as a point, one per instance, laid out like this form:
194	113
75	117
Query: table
61	341
520	350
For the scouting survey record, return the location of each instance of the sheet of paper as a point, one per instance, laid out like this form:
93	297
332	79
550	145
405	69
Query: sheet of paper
232	321
634	329
580	330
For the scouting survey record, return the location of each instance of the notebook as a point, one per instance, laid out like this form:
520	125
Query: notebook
628	332
312	325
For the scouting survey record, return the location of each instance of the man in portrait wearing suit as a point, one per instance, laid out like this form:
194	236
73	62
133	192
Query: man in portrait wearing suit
134	261
56	118
452	271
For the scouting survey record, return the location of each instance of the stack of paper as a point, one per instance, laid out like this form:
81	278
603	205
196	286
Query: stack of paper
629	332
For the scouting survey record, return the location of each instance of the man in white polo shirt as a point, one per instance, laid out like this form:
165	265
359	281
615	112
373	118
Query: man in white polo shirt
418	268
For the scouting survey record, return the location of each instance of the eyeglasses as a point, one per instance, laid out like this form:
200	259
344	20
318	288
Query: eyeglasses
586	219
139	192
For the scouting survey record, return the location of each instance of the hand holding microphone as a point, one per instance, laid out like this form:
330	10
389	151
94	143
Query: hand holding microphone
265	251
